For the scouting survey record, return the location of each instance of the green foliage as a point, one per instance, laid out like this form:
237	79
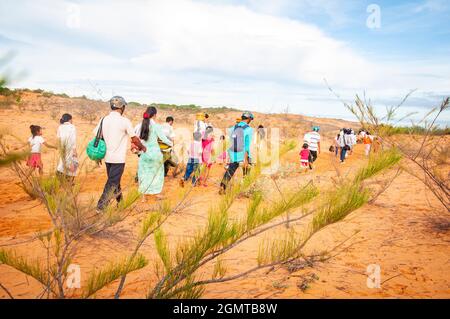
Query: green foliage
4	91
33	269
335	205
279	250
339	204
162	248
377	163
351	195
135	105
219	269
222	109
148	225
258	217
13	157
47	94
101	278
221	233
63	95
390	130
189	107
193	107
252	210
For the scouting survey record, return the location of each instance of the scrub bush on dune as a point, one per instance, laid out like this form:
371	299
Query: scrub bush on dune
185	269
72	217
424	146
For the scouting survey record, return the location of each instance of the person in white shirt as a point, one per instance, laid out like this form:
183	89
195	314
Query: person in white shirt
345	142
353	140
67	137
313	140
116	130
337	145
36	141
167	128
170	159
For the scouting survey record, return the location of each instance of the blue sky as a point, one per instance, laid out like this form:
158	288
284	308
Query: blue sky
255	54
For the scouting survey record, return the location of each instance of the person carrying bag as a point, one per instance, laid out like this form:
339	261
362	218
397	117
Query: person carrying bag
96	149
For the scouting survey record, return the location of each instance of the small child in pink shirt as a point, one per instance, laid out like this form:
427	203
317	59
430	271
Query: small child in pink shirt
304	157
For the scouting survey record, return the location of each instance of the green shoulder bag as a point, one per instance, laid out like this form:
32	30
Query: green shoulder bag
96	149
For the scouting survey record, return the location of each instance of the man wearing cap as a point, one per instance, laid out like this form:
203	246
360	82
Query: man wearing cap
313	140
239	152
116	130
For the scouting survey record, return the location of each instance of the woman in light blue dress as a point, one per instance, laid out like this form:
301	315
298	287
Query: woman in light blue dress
151	165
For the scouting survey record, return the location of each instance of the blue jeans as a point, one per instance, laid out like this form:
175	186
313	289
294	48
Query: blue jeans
192	167
343	152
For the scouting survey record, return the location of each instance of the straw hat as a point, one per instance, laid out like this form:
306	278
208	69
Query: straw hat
200	116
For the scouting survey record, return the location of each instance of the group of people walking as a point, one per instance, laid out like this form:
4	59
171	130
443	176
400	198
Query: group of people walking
154	143
344	143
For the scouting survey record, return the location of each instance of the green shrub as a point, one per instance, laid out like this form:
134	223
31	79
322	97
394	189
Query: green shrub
415	130
4	91
47	94
134	104
63	95
377	163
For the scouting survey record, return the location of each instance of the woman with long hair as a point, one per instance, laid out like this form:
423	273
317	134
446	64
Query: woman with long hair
151	165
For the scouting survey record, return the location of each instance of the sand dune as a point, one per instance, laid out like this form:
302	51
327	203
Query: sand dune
405	231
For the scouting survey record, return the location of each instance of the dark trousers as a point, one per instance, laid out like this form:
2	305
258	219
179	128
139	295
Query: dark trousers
343	152
192	167
231	170
312	158
112	186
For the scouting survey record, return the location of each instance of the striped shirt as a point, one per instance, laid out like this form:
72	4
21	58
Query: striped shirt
312	138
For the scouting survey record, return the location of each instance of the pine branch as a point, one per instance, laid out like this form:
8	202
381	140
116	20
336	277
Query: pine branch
7	291
101	278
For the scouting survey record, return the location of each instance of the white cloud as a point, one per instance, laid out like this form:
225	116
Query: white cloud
432	5
184	51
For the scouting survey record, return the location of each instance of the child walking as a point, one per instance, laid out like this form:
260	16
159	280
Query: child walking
195	159
304	158
36	141
207	153
223	156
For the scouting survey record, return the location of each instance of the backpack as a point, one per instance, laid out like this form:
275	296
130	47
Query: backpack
237	138
346	146
96	149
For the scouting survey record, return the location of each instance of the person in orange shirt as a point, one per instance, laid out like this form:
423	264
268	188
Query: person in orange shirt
367	140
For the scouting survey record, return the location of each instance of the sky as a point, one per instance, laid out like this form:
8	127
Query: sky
261	55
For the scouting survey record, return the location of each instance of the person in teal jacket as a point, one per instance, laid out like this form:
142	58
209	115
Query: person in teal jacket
241	136
151	165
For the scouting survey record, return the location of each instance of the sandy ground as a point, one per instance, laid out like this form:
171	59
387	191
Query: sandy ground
404	231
